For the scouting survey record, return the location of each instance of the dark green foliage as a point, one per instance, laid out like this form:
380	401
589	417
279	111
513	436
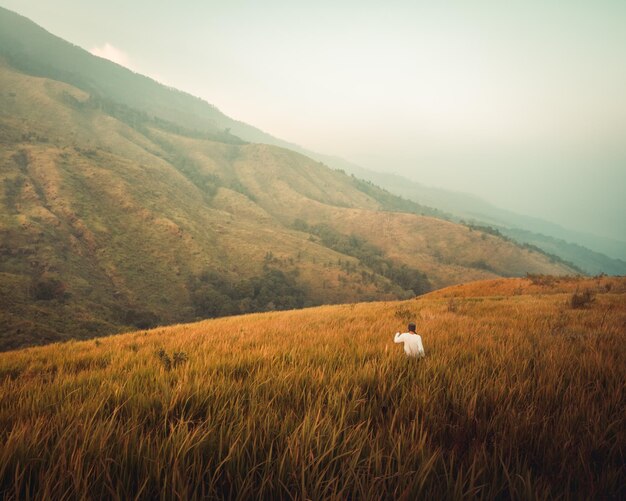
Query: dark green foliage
215	295
210	301
277	290
485	229
142	319
47	289
481	264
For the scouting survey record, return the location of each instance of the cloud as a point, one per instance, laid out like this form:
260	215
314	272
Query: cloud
112	53
108	51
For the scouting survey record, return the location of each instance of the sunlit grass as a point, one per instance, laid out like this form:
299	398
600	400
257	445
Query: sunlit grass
520	397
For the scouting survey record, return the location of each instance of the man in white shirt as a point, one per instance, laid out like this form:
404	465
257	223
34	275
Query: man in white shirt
413	346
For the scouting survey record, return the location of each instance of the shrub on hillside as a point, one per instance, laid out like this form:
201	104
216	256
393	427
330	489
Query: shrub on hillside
404	314
580	300
164	358
142	319
177	359
47	289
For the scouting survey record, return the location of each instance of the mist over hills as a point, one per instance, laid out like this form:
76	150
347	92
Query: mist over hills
591	253
127	203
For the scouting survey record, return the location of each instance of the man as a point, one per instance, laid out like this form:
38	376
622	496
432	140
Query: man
413	346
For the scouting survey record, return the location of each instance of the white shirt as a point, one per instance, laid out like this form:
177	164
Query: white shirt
412	344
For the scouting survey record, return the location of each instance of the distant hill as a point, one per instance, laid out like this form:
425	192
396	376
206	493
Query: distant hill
607	256
116	213
590	261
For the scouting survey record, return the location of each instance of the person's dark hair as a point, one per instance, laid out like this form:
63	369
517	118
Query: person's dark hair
411	327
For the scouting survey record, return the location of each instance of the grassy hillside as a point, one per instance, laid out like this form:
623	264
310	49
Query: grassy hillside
111	219
122	222
520	396
591	262
607	255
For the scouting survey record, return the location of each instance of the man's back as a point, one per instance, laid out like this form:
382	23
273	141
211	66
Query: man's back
413	346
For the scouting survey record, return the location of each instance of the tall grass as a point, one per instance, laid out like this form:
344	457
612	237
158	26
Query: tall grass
520	397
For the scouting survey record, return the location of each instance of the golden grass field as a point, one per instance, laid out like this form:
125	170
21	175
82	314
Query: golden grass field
520	397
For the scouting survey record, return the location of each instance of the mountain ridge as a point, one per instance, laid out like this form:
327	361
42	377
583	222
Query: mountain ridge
471	208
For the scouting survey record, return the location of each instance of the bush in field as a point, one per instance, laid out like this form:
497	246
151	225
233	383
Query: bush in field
164	358
580	300
177	359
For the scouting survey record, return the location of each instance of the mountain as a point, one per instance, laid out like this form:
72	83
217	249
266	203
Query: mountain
29	48
591	253
116	213
589	261
520	396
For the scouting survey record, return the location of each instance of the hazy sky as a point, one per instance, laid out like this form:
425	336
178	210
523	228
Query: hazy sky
521	103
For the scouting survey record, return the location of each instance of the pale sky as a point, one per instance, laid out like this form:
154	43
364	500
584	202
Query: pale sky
521	103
